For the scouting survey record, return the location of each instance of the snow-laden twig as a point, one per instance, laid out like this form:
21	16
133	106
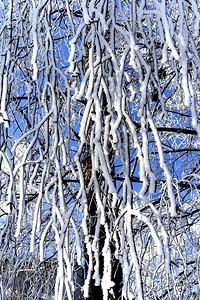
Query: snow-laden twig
36	12
164	167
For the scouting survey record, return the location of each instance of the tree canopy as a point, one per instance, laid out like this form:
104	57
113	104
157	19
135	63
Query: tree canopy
99	149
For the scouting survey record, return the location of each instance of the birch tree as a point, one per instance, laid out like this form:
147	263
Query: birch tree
99	149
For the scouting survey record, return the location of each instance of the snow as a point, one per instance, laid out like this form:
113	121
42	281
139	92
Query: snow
35	45
4	93
107	283
197	18
195	122
42	240
4	116
166	28
164	167
105	170
95	249
21	201
85	12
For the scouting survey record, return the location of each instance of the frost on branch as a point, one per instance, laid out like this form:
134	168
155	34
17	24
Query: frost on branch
99	149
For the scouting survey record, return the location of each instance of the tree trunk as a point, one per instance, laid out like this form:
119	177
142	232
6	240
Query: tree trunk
95	292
